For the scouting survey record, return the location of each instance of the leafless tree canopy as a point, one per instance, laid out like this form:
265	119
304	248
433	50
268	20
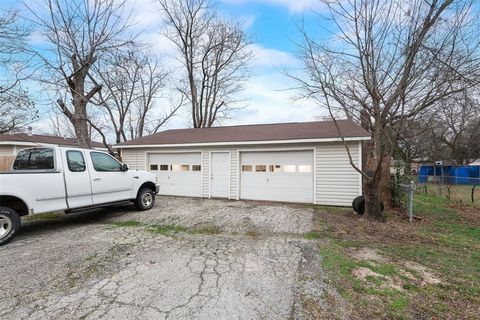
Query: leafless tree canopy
449	132
79	33
214	54
16	108
133	82
387	63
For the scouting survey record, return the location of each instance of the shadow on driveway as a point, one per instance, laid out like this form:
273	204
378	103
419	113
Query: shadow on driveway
95	216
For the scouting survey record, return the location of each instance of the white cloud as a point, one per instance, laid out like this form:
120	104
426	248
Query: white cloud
294	6
145	14
270	99
271	57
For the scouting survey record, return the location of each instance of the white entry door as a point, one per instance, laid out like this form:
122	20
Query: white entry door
277	176
220	175
179	174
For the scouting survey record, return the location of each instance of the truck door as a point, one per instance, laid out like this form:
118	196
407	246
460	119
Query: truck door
77	179
109	182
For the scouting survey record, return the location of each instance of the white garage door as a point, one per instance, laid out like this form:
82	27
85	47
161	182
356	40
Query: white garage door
179	174
277	176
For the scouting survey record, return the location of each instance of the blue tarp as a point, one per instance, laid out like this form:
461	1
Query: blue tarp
450	174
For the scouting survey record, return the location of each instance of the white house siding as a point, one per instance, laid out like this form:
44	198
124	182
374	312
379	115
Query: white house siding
134	158
205	174
337	183
234	165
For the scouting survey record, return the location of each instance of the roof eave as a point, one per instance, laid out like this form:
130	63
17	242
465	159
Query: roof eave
240	143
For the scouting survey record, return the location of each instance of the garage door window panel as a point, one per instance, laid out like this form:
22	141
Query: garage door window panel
196	167
247	168
154	167
290	168
275	168
304	168
164	167
261	168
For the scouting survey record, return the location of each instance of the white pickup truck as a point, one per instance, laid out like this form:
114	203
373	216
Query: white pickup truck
53	178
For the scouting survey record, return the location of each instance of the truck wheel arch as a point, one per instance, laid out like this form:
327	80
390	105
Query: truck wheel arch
150	185
14	203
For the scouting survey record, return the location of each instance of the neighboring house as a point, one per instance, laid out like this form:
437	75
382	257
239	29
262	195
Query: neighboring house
293	162
10	144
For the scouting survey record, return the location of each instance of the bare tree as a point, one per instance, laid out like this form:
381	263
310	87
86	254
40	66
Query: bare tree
459	127
79	34
214	54
450	131
133	82
16	107
387	63
60	126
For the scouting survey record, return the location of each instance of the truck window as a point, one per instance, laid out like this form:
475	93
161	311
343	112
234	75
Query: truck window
75	161
34	159
105	163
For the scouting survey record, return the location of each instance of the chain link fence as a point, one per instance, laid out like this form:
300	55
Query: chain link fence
466	192
458	189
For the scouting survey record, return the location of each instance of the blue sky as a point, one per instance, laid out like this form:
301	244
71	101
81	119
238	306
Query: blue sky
273	25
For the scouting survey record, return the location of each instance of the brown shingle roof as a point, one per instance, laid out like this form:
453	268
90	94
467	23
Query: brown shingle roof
252	133
39	138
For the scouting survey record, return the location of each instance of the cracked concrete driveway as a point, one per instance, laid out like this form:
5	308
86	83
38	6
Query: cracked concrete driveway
184	259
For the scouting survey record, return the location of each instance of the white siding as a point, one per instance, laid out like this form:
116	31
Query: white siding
337	182
134	158
234	174
205	174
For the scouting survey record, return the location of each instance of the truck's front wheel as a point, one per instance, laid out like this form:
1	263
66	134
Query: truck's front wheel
9	224
145	199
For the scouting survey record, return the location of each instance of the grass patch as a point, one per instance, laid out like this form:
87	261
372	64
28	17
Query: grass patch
168	229
209	229
127	223
312	235
444	245
252	234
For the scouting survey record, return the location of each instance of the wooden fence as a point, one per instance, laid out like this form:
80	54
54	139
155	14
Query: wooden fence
6	162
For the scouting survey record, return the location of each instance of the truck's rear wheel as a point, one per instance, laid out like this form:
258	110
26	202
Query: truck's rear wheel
145	199
9	224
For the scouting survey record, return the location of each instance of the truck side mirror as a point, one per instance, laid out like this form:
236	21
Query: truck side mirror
124	167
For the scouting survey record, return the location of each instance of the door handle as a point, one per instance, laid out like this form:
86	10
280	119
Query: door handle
136	177
97	179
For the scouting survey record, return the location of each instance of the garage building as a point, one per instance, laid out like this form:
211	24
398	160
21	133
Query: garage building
292	162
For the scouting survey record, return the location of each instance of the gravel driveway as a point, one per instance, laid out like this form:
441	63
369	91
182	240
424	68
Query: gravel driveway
184	259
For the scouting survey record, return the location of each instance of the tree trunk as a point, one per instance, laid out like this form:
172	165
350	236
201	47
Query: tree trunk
385	186
81	130
373	207
371	190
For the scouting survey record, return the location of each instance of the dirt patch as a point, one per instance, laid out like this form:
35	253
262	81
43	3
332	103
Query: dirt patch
424	274
470	215
348	225
369	254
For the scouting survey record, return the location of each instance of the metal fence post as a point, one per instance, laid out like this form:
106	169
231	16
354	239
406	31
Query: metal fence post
410	201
